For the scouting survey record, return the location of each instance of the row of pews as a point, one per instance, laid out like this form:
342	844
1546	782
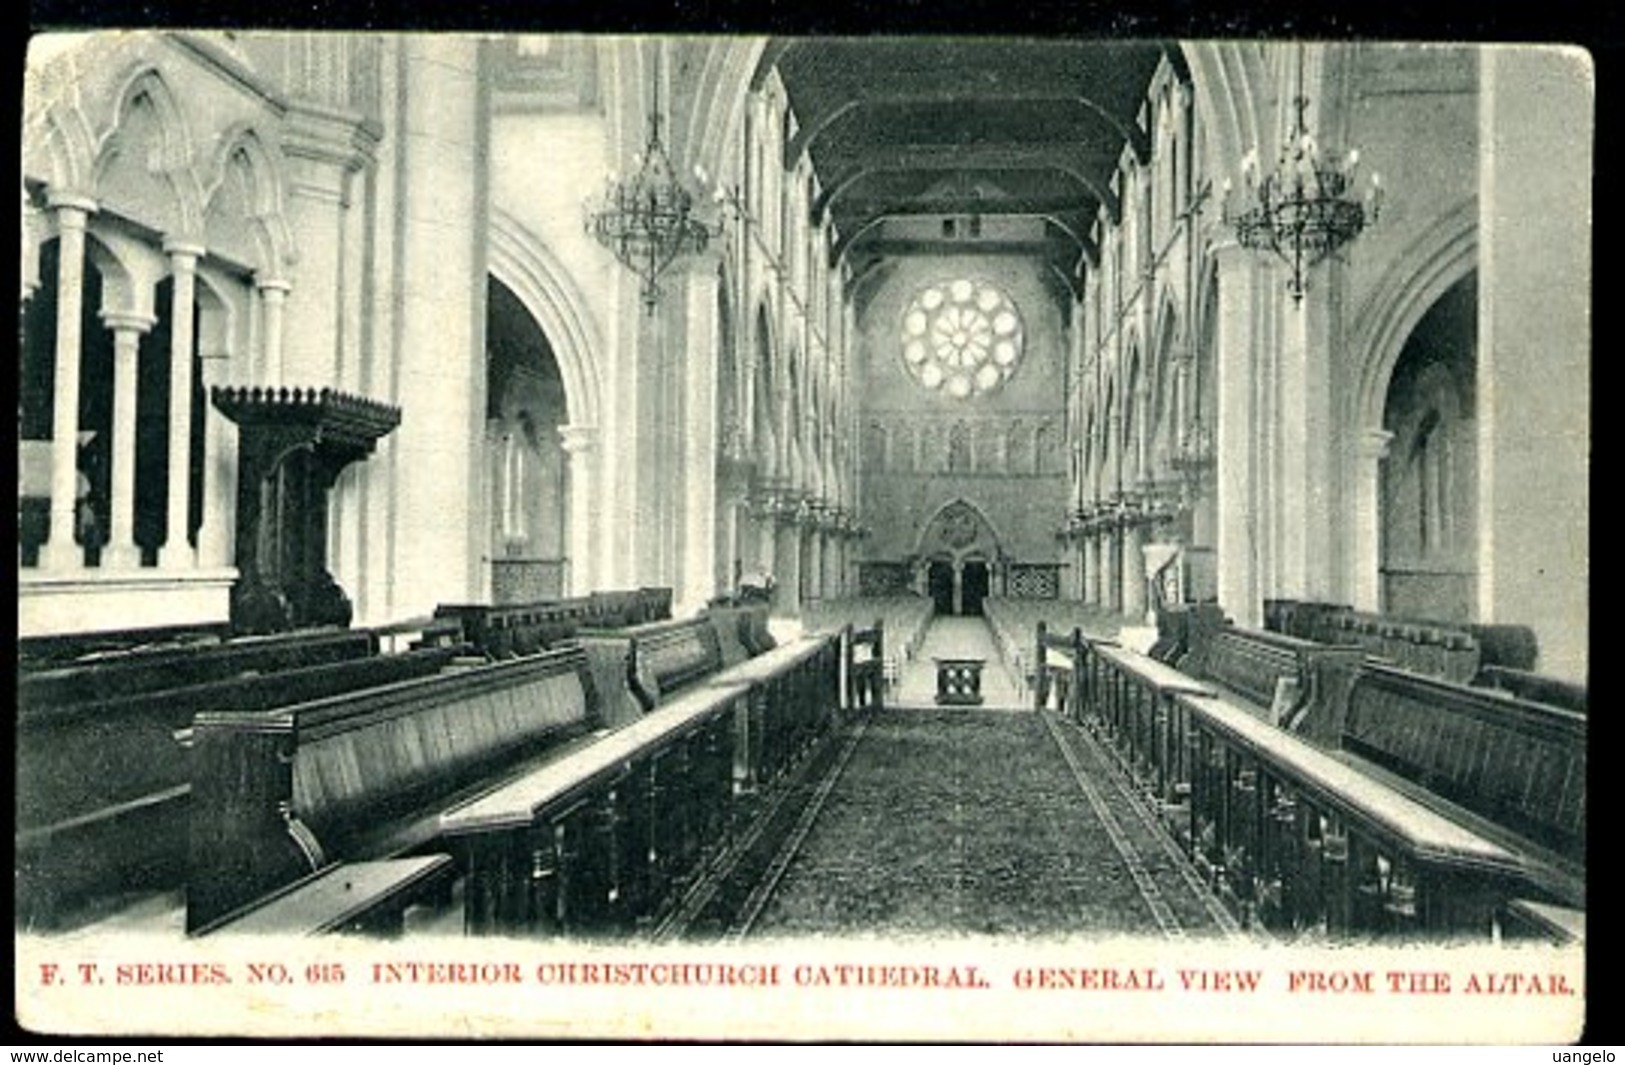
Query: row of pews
1323	790
903	618
1014	620
308	782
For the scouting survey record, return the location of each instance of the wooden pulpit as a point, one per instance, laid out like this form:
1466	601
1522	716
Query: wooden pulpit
293	445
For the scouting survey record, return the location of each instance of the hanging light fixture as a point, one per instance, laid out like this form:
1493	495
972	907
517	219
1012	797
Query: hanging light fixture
648	222
1305	209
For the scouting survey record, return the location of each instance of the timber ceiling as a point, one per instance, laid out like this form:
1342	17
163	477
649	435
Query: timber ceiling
986	127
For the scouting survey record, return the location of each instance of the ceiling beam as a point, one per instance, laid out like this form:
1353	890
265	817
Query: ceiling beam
988	160
810	130
914	206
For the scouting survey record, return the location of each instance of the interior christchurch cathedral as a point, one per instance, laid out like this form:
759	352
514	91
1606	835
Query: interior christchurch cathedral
676	489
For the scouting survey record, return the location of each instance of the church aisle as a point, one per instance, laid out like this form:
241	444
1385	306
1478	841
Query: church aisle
955	637
964	822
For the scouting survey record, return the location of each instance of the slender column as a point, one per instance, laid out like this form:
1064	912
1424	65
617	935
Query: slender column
787	574
1091	568
60	551
699	444
121	551
1235	479
1112	578
176	552
578	449
1134	572
216	534
273	298
815	563
1368	520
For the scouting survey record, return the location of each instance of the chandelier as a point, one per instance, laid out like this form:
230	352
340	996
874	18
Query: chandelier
648	222
1305	209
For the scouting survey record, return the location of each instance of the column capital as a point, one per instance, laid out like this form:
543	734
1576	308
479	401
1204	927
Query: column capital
179	249
1374	443
273	287
71	205
577	439
128	321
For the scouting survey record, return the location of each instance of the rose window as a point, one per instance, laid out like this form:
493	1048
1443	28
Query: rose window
962	338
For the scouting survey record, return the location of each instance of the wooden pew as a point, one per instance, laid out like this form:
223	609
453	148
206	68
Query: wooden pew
1298	841
794	693
638	667
123	674
595	841
1533	687
1517	764
1272	672
1057	681
1290	836
1453	650
281	794
350	898
45	652
865	661
503	631
103	788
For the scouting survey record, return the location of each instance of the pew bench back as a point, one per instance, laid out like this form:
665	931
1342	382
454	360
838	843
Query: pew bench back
279	795
121	675
103	789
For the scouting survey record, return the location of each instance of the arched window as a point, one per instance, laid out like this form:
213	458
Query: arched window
962	338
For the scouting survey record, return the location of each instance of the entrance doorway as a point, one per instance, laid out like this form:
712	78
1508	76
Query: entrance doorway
940	582
973	588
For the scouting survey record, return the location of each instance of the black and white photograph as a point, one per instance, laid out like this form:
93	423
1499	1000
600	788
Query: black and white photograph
683	536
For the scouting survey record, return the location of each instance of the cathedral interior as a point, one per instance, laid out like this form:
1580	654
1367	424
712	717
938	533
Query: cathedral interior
694	488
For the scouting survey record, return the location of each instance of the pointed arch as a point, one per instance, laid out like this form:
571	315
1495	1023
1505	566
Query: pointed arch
534	274
960	528
1440	256
244	149
172	159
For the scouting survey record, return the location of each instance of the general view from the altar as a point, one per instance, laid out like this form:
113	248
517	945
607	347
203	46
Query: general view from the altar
671	490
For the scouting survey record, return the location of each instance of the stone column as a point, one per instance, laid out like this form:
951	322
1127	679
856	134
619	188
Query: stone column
1535	336
60	552
1091	569
128	328
273	294
1134	601
215	536
578	441
815	562
959	587
699	439
1238	533
787	571
1112	575
177	552
1368	520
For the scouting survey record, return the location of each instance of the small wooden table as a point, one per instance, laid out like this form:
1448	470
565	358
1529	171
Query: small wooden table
959	681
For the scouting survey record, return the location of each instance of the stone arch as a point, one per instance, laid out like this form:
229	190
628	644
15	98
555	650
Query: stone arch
1232	85
1170	344
171	161
256	162
724	89
764	364
958	529
1441	255
532	272
1133	414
